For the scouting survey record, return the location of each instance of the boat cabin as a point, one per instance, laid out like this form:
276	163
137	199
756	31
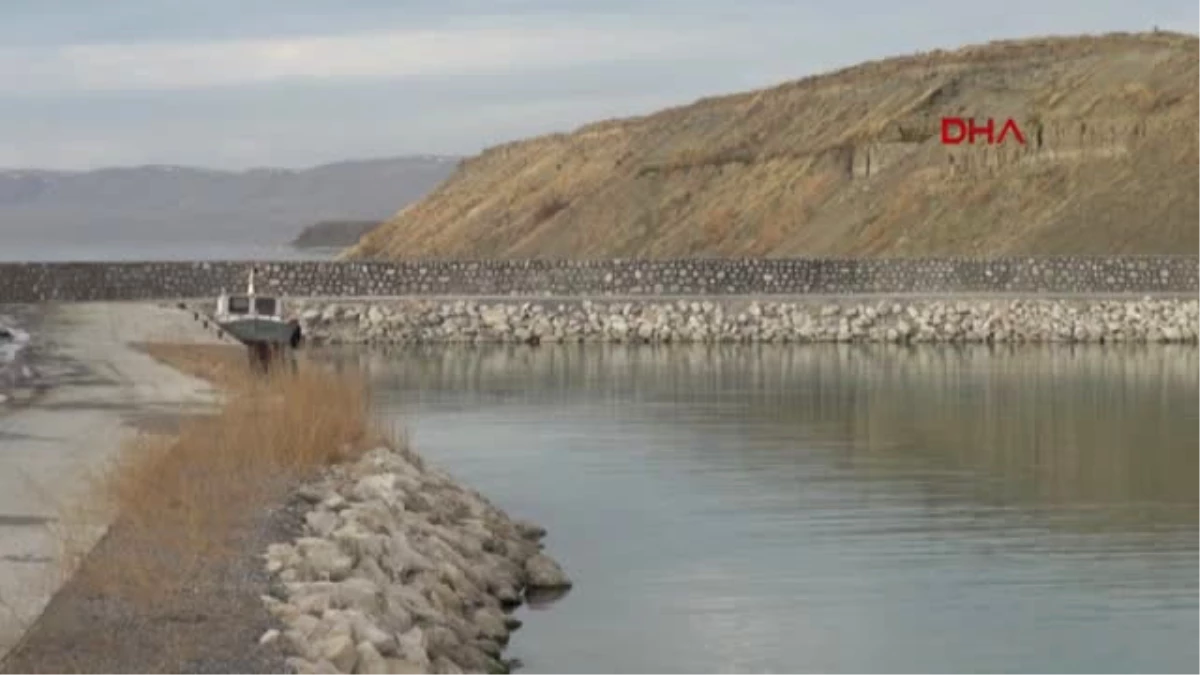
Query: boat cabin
249	306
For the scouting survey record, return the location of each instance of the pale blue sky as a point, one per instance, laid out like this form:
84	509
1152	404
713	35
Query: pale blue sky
225	83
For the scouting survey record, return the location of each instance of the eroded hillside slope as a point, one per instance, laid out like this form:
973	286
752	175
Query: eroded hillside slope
850	163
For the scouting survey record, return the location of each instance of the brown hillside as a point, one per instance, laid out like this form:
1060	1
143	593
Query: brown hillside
850	163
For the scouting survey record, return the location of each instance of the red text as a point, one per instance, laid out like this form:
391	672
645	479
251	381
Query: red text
955	130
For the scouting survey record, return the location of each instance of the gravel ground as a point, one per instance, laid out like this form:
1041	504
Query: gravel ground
214	627
95	389
92	391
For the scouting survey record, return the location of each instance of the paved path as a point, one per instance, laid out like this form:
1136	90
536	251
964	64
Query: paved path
102	389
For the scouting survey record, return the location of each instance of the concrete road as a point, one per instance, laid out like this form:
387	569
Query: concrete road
101	391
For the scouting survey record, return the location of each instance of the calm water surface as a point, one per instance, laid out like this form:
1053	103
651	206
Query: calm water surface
833	509
121	251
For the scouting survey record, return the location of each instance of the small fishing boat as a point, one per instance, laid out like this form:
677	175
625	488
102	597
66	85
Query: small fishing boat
258	321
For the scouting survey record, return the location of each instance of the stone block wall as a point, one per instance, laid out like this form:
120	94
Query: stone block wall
84	281
720	320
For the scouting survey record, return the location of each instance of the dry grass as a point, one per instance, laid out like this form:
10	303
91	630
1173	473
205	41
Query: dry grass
174	583
223	365
181	499
726	176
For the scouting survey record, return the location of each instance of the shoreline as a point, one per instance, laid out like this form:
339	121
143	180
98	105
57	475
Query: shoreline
18	378
403	569
445	577
876	319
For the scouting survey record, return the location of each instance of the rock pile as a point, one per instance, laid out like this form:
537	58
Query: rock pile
402	570
1172	320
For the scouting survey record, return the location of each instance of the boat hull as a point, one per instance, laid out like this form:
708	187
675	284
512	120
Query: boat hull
257	330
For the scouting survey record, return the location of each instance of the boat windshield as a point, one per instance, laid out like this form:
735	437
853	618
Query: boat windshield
264	306
239	304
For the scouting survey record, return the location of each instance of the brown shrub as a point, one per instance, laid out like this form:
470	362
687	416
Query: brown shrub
180	499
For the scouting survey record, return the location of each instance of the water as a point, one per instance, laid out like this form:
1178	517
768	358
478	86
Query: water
833	509
123	251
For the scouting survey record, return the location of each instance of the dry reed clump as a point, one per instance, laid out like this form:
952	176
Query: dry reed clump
181	502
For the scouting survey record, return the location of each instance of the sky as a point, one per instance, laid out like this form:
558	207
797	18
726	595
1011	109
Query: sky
293	83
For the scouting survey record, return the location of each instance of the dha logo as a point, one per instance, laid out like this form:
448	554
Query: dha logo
955	130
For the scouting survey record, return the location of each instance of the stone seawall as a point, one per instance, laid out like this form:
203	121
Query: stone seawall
403	570
416	321
38	282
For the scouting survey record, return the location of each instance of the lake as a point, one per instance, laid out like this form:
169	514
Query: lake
832	508
124	251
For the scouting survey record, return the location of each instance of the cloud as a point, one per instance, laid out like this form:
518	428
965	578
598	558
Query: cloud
381	55
61	22
299	128
299	82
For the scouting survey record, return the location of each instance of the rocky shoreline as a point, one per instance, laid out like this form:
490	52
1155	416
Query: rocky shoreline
401	569
898	320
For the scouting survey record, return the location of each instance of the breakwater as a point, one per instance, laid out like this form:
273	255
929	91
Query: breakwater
402	570
86	281
896	320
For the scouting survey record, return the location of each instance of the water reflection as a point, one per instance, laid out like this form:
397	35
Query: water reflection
835	507
1057	425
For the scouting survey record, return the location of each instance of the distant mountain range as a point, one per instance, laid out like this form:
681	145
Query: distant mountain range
186	205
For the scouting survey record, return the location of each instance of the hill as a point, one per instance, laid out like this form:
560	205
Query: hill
851	163
192	205
334	233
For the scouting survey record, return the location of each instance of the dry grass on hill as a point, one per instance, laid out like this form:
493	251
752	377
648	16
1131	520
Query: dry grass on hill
851	163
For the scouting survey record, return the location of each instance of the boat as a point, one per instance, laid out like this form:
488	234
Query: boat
258	321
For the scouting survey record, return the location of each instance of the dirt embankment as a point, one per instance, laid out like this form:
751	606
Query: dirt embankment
851	163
